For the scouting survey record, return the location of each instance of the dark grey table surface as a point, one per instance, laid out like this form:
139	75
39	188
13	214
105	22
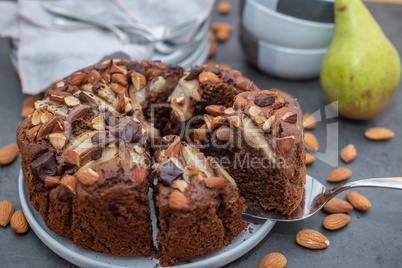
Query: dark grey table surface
373	240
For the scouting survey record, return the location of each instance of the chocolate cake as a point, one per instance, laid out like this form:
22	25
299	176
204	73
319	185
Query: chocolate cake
92	149
260	139
198	204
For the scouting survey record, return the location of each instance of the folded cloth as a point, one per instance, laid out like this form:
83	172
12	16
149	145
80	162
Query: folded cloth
47	53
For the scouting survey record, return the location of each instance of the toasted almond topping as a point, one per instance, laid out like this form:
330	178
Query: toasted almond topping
52	181
335	221
206	77
311	142
69	182
215	110
268	123
139	81
77	78
119	89
223	133
58	140
285	144
215	182
71	101
87	176
93	77
6	211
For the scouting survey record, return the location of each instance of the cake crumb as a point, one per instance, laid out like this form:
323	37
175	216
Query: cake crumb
256	223
358	216
250	230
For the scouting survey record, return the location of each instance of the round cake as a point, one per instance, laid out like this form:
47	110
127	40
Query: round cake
102	137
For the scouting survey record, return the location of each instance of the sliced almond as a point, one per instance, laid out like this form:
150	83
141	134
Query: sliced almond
208	77
348	153
69	182
379	133
312	239
119	89
215	182
139	81
8	154
87	176
140	175
178	201
19	223
52	181
311	141
336	205
58	140
358	201
240	102
6	211
72	157
215	110
71	101
335	221
339	174
309	158
273	260
285	144
309	121
174	148
31	133
59	95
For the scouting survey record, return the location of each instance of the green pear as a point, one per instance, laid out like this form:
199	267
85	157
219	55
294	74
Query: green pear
362	68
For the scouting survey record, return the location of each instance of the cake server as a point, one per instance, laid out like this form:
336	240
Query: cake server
317	195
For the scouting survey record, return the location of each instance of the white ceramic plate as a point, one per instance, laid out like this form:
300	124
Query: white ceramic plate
86	258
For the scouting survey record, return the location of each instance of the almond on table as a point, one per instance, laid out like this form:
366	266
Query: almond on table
224	7
18	222
358	201
309	158
273	260
348	154
6	211
308	121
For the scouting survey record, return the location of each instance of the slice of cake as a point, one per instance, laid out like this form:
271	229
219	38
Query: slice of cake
197	203
260	140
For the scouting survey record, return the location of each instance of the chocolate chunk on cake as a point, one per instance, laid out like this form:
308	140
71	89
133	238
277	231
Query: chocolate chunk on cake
197	202
261	139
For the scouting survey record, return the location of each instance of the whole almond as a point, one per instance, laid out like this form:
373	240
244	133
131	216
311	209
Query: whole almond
215	182
28	105
178	201
336	205
224	7
18	222
339	174
273	260
309	158
309	121
348	153
6	211
335	221
311	141
379	133
212	49
358	201
8	154
312	239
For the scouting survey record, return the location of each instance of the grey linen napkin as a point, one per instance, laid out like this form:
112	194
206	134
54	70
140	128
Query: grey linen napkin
46	53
